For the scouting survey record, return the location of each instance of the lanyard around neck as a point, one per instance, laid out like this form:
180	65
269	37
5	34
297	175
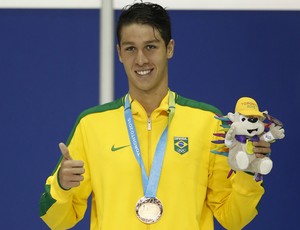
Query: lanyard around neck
149	184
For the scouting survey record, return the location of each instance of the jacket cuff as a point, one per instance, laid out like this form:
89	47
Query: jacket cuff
57	192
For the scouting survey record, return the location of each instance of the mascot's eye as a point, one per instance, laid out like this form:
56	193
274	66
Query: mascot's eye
242	118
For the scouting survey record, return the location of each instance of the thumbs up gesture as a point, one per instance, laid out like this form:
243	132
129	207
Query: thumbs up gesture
70	173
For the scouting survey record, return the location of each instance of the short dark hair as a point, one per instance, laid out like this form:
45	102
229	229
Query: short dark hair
146	13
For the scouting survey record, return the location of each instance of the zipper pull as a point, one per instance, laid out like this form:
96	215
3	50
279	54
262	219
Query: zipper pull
149	124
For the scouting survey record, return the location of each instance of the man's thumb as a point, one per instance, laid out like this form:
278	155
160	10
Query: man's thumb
64	151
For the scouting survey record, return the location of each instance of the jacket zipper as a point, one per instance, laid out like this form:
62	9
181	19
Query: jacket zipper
149	126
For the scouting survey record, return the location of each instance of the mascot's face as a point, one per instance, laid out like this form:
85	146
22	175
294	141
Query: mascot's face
247	125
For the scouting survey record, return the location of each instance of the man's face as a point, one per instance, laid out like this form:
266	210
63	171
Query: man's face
145	58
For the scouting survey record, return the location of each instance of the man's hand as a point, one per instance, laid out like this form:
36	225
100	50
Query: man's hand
70	173
261	148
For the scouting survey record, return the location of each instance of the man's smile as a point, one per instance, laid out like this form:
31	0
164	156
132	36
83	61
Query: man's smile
144	72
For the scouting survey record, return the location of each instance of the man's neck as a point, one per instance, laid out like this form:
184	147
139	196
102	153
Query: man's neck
149	101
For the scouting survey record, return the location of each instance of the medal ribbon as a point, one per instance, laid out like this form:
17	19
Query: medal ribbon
149	184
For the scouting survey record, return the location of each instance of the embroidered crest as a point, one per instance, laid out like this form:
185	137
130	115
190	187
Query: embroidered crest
181	144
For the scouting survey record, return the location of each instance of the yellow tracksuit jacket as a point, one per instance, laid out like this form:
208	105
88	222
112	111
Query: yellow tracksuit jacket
192	188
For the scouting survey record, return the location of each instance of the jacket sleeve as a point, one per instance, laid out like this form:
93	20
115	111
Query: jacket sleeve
234	200
59	208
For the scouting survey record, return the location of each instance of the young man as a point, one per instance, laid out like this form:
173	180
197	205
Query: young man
145	158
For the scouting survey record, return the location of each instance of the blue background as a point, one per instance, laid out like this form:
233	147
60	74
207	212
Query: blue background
49	64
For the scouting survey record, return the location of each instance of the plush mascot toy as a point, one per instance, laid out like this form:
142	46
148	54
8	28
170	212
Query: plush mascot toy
244	127
248	126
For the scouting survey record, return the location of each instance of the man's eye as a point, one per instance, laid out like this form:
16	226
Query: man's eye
130	48
150	47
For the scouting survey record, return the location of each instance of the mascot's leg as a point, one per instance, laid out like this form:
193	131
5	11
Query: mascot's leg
242	160
262	165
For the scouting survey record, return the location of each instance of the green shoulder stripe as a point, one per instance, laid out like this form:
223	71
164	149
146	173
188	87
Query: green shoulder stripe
46	201
102	108
96	109
196	104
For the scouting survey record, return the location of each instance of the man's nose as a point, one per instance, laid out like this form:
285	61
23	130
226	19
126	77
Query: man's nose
141	58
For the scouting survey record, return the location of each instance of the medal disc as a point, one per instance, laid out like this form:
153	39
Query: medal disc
149	209
249	147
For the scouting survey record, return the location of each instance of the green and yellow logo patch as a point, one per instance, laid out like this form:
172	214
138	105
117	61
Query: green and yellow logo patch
181	144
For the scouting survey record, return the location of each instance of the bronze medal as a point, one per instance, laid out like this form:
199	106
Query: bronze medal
149	209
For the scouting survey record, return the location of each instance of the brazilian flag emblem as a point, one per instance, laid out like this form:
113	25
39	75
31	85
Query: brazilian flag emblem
181	144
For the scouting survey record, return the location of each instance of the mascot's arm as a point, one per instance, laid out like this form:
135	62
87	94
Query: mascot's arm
275	132
234	200
230	137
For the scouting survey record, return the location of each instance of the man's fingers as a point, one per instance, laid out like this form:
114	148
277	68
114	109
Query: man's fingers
64	151
261	147
262	144
71	173
73	164
71	184
70	181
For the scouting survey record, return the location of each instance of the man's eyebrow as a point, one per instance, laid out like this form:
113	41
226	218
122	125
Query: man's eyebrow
152	41
146	42
127	43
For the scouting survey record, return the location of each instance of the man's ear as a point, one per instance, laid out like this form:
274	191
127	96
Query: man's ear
170	48
119	53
